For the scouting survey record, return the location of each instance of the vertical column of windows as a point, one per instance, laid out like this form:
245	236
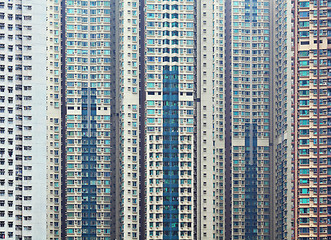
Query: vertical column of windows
250	119
128	110
8	113
100	76
281	126
170	113
53	120
77	88
154	121
211	114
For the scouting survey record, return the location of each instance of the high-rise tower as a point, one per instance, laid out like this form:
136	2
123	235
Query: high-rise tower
79	112
129	165
22	119
54	121
196	89
248	150
210	114
169	119
157	156
311	158
87	126
281	109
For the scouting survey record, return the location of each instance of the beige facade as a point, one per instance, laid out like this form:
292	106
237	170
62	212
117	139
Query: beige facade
311	75
54	120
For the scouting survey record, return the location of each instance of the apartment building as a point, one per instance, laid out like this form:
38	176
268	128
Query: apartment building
22	119
311	77
156	109
281	91
55	149
250	110
210	120
196	109
79	119
87	124
169	119
129	178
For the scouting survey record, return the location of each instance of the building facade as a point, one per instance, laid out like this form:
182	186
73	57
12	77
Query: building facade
157	120
22	119
210	111
169	119
311	76
54	121
200	141
250	152
79	111
129	178
87	82
282	178
165	119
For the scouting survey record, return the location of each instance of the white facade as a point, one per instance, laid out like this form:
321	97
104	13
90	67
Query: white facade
127	108
23	119
210	120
